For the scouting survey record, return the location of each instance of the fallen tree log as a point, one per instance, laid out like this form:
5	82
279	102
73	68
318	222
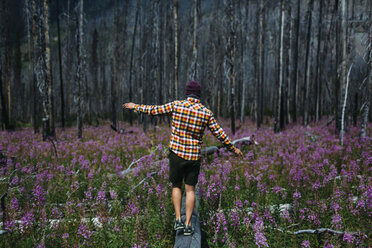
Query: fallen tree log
192	241
239	142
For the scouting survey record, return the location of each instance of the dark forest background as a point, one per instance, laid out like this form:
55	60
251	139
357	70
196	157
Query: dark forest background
67	62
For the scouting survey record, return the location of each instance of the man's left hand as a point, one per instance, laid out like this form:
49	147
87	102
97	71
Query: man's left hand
238	152
128	105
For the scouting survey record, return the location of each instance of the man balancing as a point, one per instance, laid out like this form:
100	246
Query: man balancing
189	119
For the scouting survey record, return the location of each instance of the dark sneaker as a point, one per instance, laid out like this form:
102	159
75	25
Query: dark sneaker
178	225
188	230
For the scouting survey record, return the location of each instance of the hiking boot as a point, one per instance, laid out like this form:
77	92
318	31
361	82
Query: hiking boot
178	224
188	230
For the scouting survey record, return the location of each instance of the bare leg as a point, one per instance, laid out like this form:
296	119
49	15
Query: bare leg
190	202
177	199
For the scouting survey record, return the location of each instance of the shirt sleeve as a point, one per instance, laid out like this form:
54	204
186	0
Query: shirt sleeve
219	133
154	109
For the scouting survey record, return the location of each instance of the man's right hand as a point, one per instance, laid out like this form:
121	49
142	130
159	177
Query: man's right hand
238	152
128	105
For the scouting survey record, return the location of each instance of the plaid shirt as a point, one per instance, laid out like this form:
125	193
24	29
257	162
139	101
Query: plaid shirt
189	119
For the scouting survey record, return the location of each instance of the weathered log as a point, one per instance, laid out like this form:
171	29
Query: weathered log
239	142
192	241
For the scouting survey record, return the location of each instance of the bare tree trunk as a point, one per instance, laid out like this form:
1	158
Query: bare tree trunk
43	67
48	69
194	63
296	35
114	89
308	66
60	69
344	107
175	13
4	114
344	58
318	66
231	59
94	72
131	59
68	61
279	124
368	87
29	56
260	64
35	97
80	72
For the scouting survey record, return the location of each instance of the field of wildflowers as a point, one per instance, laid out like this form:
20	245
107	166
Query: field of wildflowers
111	189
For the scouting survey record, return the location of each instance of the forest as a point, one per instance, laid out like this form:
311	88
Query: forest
294	74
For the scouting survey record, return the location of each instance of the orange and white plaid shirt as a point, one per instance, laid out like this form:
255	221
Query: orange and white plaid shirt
189	119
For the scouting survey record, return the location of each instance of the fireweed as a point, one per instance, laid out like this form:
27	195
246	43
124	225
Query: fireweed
83	196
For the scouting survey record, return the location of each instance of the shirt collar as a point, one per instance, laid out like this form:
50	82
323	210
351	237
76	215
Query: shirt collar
192	99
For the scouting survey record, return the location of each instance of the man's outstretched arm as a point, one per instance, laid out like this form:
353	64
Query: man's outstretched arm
150	109
221	136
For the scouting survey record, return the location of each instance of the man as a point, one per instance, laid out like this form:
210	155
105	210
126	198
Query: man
189	119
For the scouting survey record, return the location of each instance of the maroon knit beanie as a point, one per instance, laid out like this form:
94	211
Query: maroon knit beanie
193	88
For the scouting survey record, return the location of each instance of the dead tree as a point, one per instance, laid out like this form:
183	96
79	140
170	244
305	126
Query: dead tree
230	60
318	83
193	75
94	72
43	66
176	55
80	71
260	65
131	58
308	66
294	75
344	107
368	88
60	68
114	88
344	58
279	121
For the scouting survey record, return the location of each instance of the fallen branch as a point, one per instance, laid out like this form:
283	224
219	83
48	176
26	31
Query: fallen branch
319	231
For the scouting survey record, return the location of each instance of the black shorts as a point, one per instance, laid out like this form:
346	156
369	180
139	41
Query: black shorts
181	169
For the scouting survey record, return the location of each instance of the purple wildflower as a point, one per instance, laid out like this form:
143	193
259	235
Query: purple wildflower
305	244
348	237
28	219
337	221
113	194
84	232
38	195
259	236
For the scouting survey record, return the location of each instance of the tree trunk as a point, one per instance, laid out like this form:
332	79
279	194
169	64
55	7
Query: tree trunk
48	69
35	102
318	65
294	75
94	72
230	61
308	66
175	13
194	63
260	64
60	69
344	58
4	113
368	87
80	76
279	123
344	107
131	59
114	89
29	56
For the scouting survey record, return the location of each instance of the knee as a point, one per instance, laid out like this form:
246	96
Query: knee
189	189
